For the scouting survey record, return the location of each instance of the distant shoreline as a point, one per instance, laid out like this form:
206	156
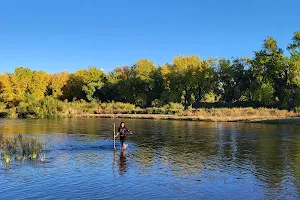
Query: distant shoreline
254	119
168	112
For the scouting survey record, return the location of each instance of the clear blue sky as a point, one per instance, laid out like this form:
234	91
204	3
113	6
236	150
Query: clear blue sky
66	35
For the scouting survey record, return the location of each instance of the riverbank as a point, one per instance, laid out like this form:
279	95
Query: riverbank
52	108
211	115
291	121
249	119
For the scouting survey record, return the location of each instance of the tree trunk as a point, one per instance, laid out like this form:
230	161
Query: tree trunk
187	98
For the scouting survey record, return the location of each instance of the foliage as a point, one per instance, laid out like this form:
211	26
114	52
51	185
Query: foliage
270	67
270	79
83	84
12	113
233	78
44	108
118	107
57	83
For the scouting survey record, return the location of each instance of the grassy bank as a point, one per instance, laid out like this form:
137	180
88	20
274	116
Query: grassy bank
53	108
295	121
214	114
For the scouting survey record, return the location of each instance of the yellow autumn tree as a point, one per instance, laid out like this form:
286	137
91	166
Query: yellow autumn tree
37	87
6	90
183	78
57	82
20	81
144	68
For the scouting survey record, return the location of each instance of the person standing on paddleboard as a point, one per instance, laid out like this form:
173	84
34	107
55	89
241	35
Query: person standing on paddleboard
123	131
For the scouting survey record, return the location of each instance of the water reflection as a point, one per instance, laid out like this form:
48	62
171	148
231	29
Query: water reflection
122	163
211	159
120	159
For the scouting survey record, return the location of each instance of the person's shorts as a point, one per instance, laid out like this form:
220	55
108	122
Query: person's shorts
122	139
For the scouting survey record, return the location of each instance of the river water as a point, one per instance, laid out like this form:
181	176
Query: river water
164	160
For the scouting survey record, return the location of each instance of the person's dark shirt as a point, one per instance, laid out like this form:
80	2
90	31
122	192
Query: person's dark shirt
123	131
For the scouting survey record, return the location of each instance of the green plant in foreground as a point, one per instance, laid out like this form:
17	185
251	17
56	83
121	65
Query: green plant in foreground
20	148
6	157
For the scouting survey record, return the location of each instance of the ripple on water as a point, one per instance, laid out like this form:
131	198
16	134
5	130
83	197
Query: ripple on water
164	160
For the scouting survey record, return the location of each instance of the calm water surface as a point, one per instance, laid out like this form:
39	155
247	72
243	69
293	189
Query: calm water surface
164	160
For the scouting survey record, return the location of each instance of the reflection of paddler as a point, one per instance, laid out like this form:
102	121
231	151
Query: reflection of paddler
123	131
122	163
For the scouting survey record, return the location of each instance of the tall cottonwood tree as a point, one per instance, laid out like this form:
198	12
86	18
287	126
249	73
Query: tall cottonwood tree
271	68
233	78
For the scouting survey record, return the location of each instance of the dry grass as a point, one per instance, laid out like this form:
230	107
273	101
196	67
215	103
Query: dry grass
114	107
238	114
279	121
213	114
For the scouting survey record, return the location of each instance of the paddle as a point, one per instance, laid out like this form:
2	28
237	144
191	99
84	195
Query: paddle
114	136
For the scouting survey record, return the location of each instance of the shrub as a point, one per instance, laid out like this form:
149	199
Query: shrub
173	108
47	107
81	106
156	110
137	111
156	103
209	97
115	108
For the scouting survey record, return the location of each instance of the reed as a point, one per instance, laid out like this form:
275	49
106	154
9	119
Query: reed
20	148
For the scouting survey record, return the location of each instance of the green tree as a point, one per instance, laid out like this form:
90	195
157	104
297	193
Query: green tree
84	83
294	73
233	78
183	77
144	70
294	47
206	79
271	67
158	85
118	85
170	92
